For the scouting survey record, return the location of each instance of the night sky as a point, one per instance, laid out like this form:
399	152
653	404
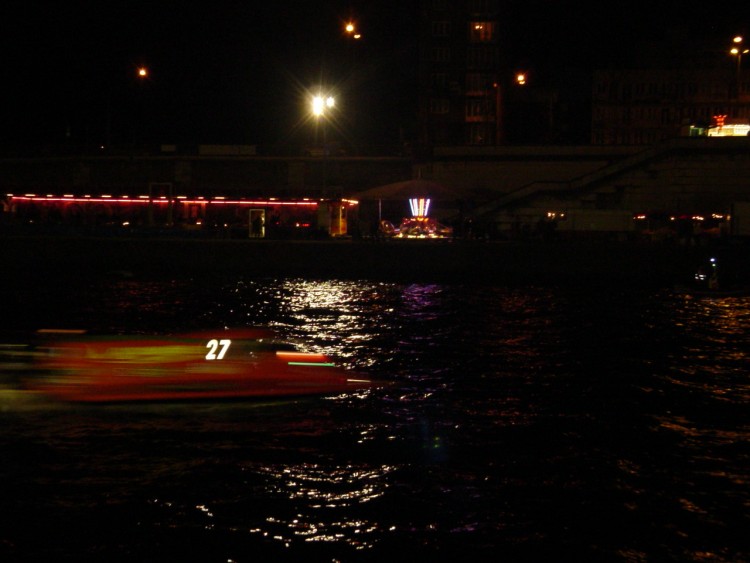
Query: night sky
238	72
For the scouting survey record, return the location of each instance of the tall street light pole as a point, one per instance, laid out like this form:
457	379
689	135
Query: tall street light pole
142	75
321	106
738	50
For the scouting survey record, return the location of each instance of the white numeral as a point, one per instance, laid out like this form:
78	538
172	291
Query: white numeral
221	345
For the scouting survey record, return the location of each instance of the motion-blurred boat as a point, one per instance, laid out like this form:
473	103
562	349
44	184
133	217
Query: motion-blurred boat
221	365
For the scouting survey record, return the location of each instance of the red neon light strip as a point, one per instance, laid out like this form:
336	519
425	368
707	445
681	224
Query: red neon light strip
247	202
162	200
91	199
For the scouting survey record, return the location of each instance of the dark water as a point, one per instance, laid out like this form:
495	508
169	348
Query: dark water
523	424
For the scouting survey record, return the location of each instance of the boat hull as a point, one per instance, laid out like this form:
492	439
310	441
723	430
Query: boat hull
228	365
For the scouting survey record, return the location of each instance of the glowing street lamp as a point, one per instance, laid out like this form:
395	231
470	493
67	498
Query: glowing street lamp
320	104
351	30
738	51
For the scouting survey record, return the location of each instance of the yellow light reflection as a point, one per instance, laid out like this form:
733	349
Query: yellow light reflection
323	488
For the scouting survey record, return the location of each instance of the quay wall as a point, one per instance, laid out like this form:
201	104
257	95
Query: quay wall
680	176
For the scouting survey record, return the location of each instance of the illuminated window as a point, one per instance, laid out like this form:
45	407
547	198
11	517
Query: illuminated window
482	32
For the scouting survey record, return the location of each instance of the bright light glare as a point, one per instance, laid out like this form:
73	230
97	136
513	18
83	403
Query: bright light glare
420	207
319	104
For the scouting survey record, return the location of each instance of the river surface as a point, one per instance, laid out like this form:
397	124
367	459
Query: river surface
521	424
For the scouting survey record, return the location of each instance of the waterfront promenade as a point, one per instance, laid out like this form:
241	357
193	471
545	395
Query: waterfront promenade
37	258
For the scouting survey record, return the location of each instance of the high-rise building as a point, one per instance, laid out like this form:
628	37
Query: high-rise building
646	106
460	73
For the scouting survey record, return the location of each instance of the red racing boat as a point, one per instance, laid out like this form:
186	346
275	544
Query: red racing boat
221	365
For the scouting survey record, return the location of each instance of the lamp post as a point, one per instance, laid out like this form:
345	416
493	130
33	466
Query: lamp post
322	105
738	50
134	101
142	76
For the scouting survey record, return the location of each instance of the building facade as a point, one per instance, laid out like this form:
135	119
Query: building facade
647	106
460	73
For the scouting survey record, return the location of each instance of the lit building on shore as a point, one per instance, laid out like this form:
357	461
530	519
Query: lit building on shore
239	217
673	91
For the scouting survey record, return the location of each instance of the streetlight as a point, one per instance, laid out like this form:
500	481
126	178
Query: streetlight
351	30
320	104
738	51
137	80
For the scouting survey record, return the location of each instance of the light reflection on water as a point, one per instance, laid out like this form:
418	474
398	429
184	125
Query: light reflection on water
713	357
523	421
314	488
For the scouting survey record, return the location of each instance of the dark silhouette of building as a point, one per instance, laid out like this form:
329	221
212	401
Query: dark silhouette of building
681	83
460	73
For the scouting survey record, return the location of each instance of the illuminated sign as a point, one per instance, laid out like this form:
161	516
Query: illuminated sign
420	207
